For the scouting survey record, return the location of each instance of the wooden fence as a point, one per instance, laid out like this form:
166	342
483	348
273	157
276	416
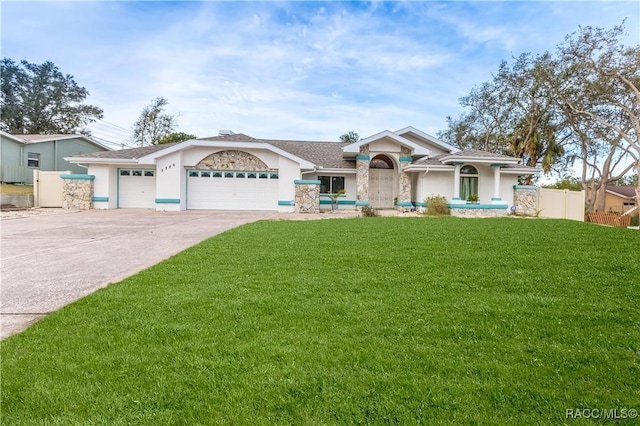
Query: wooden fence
611	219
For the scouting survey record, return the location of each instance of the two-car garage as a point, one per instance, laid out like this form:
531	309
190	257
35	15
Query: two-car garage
232	190
206	189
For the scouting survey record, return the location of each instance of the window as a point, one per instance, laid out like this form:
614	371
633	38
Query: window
228	174
149	173
125	172
468	182
33	159
331	184
193	173
240	175
205	174
381	162
136	173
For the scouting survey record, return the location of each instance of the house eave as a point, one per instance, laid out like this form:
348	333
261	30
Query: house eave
194	143
86	160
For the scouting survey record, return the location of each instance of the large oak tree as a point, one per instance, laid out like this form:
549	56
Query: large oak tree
39	99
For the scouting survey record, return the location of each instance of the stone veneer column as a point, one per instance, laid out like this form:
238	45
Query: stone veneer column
362	176
525	199
77	192
307	199
404	180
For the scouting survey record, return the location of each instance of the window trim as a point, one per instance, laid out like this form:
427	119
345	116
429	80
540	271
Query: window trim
331	187
33	156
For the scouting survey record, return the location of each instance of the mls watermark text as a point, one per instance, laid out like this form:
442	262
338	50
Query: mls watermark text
601	413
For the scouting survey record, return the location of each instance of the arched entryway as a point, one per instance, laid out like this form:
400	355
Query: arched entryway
381	182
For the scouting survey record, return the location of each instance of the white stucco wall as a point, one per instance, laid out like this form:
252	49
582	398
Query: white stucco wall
105	184
171	182
435	182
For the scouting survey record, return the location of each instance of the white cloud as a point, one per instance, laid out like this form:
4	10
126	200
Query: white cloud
290	70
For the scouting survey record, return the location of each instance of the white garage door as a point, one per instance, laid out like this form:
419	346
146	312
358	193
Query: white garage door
136	188
227	190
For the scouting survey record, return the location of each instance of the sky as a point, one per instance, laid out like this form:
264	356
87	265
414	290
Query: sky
300	70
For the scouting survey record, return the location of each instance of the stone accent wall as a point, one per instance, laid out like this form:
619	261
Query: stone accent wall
462	212
307	197
362	175
232	160
77	194
525	200
404	181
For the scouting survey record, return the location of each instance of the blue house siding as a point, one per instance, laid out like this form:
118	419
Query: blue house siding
14	156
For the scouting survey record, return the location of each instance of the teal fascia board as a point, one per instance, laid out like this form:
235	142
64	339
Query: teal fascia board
306	182
286	203
525	187
496	199
479	206
419	204
404	204
362	203
406	159
362	157
85	177
167	200
100	199
498	165
340	202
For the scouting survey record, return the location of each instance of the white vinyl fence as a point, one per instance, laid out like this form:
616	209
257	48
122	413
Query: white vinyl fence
561	203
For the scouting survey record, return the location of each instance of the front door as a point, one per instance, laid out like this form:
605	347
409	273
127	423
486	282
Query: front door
381	184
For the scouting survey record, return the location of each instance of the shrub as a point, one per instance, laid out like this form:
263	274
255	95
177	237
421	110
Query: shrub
368	211
437	206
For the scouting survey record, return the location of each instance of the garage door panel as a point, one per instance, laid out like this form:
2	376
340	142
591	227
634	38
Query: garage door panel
136	188
232	190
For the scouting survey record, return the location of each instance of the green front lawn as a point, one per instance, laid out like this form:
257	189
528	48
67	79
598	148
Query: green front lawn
366	320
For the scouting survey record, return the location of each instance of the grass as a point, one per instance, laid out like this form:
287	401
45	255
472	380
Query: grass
353	321
7	188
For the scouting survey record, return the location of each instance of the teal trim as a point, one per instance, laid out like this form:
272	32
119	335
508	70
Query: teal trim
479	206
458	163
404	204
100	199
306	182
85	177
168	200
498	165
406	159
362	157
340	202
419	204
525	187
496	199
456	198
286	203
362	203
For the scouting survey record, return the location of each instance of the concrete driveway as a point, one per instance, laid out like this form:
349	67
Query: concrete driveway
48	261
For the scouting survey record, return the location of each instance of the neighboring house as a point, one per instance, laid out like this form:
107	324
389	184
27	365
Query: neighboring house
21	154
238	172
619	199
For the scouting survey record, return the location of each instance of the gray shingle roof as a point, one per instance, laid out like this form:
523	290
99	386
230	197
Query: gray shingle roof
322	154
128	154
623	190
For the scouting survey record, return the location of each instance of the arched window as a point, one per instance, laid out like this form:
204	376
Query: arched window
469	183
381	162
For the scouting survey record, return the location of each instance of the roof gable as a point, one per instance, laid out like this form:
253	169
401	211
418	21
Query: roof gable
353	149
423	138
